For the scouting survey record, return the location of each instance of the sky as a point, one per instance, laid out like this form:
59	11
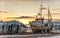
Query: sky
27	7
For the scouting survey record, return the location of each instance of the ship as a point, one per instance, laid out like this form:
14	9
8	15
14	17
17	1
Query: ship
41	26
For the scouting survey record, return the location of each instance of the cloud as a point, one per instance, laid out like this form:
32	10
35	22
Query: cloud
56	9
3	11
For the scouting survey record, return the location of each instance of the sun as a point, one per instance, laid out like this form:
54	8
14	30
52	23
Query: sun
24	21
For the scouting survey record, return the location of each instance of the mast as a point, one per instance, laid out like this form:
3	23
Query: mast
49	17
39	16
41	10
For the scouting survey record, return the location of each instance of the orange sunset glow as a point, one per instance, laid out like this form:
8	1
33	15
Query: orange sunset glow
27	20
23	20
14	9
